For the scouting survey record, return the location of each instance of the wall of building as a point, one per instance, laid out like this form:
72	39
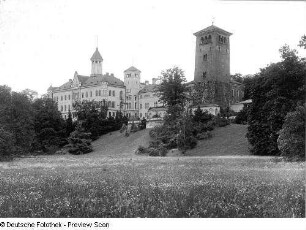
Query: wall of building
147	100
110	94
132	83
212	57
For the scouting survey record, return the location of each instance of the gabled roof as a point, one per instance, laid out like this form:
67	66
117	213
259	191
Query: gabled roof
132	69
148	88
212	28
110	79
92	80
82	79
96	56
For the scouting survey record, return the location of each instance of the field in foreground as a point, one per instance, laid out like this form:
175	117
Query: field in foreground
227	186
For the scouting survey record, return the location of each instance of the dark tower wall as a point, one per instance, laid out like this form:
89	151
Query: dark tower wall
212	64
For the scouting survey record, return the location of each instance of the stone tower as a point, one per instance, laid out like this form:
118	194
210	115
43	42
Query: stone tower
132	84
96	63
212	64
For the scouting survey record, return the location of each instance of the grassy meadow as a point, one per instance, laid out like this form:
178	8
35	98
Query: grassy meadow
80	186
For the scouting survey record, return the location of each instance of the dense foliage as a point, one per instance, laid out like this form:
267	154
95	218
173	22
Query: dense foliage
291	140
172	92
92	114
276	90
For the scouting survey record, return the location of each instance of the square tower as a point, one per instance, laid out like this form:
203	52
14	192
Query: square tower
212	57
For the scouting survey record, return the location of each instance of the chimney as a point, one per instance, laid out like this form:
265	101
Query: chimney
154	80
146	82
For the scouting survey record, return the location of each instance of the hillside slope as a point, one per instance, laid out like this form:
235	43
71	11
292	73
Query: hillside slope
229	140
116	144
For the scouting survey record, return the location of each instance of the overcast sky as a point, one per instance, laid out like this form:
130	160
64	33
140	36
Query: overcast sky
42	42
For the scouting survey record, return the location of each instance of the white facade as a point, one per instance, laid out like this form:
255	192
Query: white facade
106	89
148	99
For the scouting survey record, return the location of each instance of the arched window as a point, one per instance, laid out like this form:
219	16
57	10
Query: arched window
202	40
209	37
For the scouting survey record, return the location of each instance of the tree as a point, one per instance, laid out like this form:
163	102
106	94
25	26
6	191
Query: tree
6	144
276	90
172	92
49	125
303	42
69	124
237	77
291	140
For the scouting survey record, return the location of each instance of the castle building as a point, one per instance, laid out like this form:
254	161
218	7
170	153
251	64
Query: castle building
149	104
104	88
140	100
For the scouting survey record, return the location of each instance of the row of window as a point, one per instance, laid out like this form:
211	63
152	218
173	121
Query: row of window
90	94
128	98
65	108
147	105
128	75
65	97
205	40
222	39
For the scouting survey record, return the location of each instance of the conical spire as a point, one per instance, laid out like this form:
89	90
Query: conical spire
96	56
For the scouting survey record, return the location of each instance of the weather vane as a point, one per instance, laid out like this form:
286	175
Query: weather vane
97	40
213	20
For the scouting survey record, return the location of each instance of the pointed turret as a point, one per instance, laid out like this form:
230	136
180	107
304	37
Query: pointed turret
96	63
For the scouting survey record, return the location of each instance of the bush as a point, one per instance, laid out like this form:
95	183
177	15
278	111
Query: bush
204	135
242	116
152	150
291	140
143	124
188	142
221	121
134	128
6	144
79	142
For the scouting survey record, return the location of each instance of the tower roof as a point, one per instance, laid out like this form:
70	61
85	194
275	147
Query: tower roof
212	28
96	56
132	69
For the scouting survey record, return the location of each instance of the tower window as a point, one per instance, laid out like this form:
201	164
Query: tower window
204	75
205	57
110	93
